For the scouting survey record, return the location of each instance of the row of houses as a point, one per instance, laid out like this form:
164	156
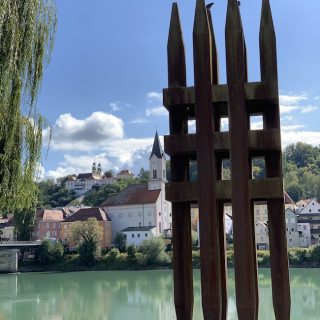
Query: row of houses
302	223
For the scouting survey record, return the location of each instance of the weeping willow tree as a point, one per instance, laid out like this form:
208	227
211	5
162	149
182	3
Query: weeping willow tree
27	29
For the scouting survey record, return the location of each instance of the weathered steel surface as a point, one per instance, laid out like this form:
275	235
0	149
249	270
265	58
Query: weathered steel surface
181	219
208	215
244	246
276	209
207	102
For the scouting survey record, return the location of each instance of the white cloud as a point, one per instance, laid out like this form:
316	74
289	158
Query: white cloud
121	153
70	133
157	111
310	137
308	109
289	100
292	127
114	106
287	109
154	97
139	121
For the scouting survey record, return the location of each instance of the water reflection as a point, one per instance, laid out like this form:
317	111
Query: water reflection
143	295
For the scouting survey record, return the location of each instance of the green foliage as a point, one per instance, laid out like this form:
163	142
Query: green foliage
24	224
132	254
194	236
154	251
27	30
88	231
96	196
315	254
88	253
143	175
111	257
108	174
121	242
49	253
301	169
263	258
52	195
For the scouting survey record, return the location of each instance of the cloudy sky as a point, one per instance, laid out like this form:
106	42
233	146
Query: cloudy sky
102	91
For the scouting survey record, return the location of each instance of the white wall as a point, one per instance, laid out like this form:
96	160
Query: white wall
136	237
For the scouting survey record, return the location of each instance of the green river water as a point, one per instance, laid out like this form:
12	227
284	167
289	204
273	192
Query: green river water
136	295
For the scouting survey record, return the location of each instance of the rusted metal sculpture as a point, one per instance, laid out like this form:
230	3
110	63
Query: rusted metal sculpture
207	103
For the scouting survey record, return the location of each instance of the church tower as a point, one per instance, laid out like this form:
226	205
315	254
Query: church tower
157	166
94	169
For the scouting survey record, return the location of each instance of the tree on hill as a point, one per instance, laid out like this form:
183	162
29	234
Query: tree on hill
301	168
27	30
52	195
96	196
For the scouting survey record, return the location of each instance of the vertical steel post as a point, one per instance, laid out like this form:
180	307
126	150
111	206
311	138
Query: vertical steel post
208	215
244	246
276	208
181	218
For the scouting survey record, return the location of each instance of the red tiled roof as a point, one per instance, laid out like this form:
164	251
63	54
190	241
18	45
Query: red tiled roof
49	215
86	176
124	173
133	194
86	213
287	199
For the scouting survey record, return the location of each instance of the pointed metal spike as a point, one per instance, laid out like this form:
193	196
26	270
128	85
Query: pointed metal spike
214	51
233	16
201	24
268	45
176	51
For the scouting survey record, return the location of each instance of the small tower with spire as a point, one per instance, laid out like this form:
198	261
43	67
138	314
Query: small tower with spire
157	165
94	169
99	171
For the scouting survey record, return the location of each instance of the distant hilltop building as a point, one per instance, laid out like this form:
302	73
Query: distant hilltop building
84	182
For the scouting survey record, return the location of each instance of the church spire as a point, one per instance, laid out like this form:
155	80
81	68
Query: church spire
156	149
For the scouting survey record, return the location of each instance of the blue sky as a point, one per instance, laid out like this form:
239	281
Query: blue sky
102	90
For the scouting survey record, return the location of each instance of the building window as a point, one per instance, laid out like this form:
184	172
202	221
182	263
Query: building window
290	240
304	227
48	225
164	173
53	225
154	173
150	224
159	214
146	235
138	235
132	235
140	224
292	229
160	227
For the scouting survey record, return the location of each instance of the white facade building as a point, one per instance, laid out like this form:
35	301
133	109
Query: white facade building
135	235
84	182
143	205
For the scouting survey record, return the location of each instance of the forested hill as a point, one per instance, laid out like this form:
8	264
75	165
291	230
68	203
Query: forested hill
301	168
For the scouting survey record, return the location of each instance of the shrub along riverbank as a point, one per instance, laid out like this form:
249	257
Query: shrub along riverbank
152	255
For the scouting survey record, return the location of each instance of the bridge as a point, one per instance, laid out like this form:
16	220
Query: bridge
9	253
19	244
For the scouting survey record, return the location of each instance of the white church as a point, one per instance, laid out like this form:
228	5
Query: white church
143	206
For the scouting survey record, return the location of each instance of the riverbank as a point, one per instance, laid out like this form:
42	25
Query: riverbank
298	258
